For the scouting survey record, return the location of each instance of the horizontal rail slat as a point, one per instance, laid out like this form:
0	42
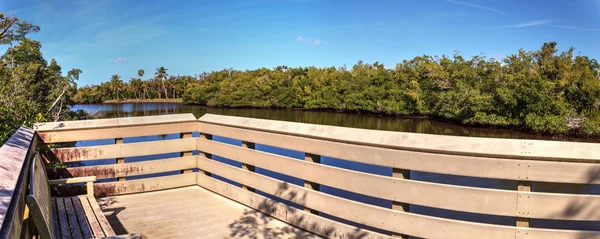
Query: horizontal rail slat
297	217
374	216
124	150
459	198
378	217
128	169
469	199
113	122
72	135
497	168
504	148
144	185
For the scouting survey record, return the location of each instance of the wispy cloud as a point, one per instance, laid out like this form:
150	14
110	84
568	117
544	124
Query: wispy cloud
576	28
119	60
530	24
486	8
314	41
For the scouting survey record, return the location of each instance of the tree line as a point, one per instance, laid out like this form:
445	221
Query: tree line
543	91
31	88
161	86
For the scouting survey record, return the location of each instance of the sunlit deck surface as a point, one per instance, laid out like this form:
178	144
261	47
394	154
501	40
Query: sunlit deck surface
192	212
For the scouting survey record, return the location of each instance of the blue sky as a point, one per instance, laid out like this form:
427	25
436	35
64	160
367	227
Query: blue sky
107	37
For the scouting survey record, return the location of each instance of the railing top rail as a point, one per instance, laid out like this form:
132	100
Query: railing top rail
13	155
458	145
113	122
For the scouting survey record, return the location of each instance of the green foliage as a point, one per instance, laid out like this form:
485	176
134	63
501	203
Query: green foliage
31	89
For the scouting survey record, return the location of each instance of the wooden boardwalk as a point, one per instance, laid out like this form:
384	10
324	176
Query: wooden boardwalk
192	212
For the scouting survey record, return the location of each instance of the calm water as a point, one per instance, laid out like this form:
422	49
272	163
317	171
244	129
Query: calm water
350	120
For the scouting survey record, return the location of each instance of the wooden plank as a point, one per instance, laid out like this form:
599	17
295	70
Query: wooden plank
251	168
378	217
312	158
65	229
73	180
81	218
522	216
400	206
557	206
14	161
91	217
55	219
505	148
115	132
205	136
120	160
468	199
72	218
143	185
113	122
106	228
128	169
485	167
186	153
124	150
297	217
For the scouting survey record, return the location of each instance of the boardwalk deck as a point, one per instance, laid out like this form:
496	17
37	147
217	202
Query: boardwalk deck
192	212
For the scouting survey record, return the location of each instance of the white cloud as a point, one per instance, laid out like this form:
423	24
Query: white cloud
119	60
300	38
576	28
317	42
476	6
530	23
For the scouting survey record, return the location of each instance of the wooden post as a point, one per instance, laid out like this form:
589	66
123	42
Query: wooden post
313	158
524	186
248	167
186	153
120	160
207	155
400	206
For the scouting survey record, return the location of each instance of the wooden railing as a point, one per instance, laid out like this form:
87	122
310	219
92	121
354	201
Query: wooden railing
522	161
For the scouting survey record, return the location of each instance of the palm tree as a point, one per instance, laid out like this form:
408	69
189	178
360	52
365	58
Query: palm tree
161	74
116	85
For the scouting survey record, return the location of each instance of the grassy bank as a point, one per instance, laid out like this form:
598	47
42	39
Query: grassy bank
177	100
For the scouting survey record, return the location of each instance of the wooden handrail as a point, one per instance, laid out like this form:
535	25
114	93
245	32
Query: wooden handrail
523	161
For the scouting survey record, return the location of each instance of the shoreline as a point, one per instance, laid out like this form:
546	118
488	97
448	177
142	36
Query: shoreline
175	101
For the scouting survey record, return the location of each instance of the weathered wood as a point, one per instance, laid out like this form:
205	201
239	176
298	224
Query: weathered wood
186	153
120	160
207	155
127	169
116	132
91	217
523	216
143	185
505	148
124	150
81	218
63	220
469	199
400	206
38	200
313	158
72	218
72	180
15	157
55	221
106	228
113	122
251	168
378	217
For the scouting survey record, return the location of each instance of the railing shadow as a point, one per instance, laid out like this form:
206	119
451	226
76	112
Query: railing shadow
255	223
113	214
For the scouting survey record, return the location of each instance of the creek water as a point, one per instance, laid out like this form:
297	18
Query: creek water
367	121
